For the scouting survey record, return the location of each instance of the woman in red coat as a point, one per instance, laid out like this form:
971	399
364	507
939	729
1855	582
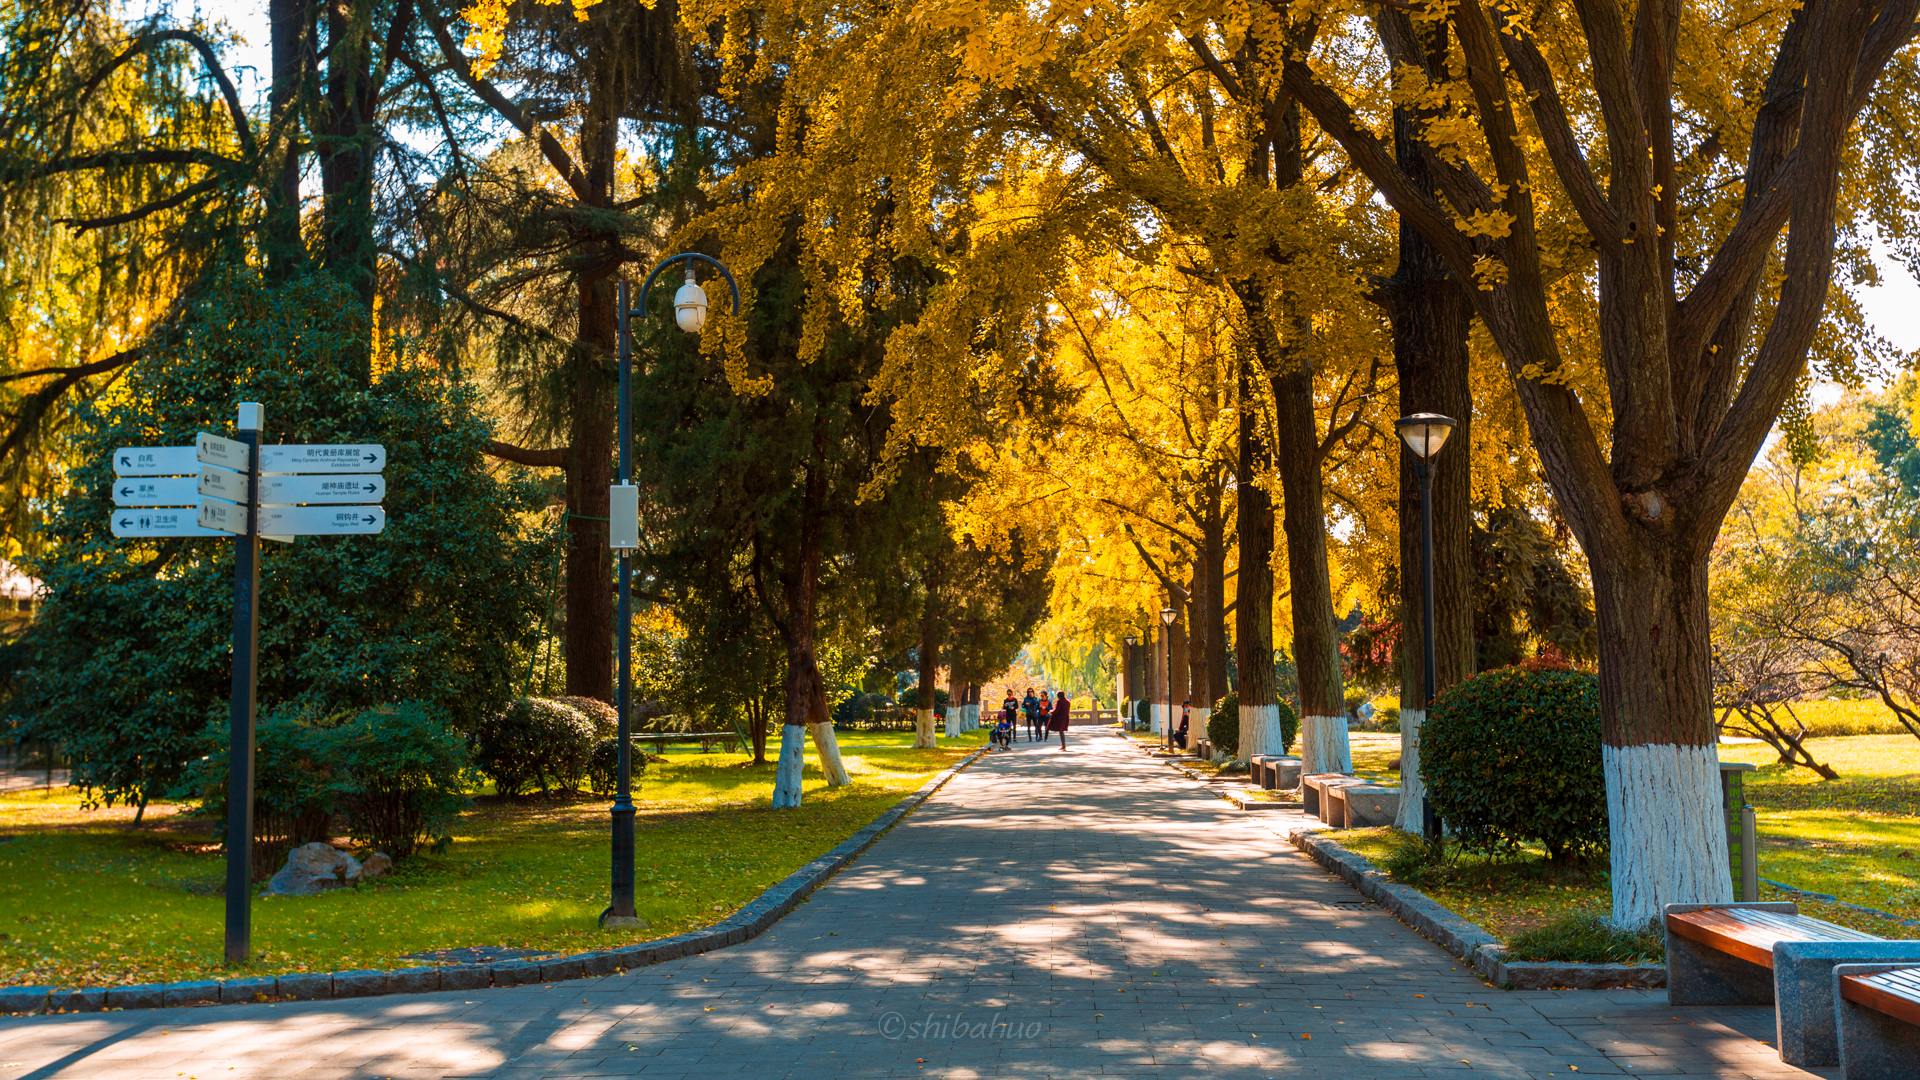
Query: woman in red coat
1062	708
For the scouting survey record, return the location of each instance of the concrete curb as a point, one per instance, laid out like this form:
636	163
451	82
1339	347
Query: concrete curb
743	925
1464	939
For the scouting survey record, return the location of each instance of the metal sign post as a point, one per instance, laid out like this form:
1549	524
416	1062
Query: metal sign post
246	490
246	656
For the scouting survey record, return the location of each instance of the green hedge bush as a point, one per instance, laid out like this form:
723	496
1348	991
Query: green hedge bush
1513	755
604	717
1223	725
536	742
603	768
392	777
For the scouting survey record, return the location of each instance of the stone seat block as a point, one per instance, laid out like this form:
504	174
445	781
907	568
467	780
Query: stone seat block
1874	1043
1368	806
1276	772
1312	789
1804	996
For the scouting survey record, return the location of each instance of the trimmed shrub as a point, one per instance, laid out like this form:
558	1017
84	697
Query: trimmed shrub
1513	755
408	772
1223	725
604	717
603	768
394	777
535	742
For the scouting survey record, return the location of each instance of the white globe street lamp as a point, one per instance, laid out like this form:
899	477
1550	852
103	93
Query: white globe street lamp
1425	434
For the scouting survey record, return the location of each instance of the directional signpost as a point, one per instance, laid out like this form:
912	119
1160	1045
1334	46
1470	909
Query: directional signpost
239	488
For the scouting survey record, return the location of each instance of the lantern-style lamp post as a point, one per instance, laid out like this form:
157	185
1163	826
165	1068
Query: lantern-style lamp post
1133	683
623	535
1166	669
1424	434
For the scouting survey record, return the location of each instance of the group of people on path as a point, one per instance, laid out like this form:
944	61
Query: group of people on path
1042	716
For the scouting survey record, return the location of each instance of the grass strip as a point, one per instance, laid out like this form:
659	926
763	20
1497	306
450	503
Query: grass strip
88	901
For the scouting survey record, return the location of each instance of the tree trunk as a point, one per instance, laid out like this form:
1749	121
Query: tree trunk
805	694
591	415
1194	614
1658	746
344	146
1316	646
1253	589
1430	315
828	747
786	776
757	729
290	23
1214	562
929	666
1176	660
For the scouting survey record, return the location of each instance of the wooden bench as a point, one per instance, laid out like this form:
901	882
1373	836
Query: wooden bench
1770	954
1877	1013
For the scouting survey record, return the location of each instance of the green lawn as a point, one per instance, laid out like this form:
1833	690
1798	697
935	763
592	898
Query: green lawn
87	900
1856	838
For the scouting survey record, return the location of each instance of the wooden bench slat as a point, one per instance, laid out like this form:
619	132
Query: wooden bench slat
1898	998
1750	934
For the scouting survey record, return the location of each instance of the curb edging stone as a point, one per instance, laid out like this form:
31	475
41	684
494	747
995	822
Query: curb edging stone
744	925
1464	939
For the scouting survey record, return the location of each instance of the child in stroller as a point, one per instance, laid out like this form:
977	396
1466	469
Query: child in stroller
1002	733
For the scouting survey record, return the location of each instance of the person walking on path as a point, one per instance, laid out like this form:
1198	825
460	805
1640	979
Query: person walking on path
1062	713
1010	708
1031	707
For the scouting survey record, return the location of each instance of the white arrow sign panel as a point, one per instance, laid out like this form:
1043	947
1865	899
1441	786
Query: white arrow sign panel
179	521
214	450
322	489
321	520
221	483
155	461
225	516
366	458
160	491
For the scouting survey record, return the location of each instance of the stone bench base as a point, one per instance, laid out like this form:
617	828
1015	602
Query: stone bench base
1275	772
1362	806
1873	1045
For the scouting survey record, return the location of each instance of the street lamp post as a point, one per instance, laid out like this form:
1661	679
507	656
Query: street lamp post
1424	434
1166	669
623	535
1133	683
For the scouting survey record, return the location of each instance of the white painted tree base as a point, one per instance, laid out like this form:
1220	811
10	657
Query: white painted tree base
1668	830
1412	791
923	730
786	775
1323	745
828	747
1260	731
1159	713
1197	725
953	722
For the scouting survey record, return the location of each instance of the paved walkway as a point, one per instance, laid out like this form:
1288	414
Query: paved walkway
1045	915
